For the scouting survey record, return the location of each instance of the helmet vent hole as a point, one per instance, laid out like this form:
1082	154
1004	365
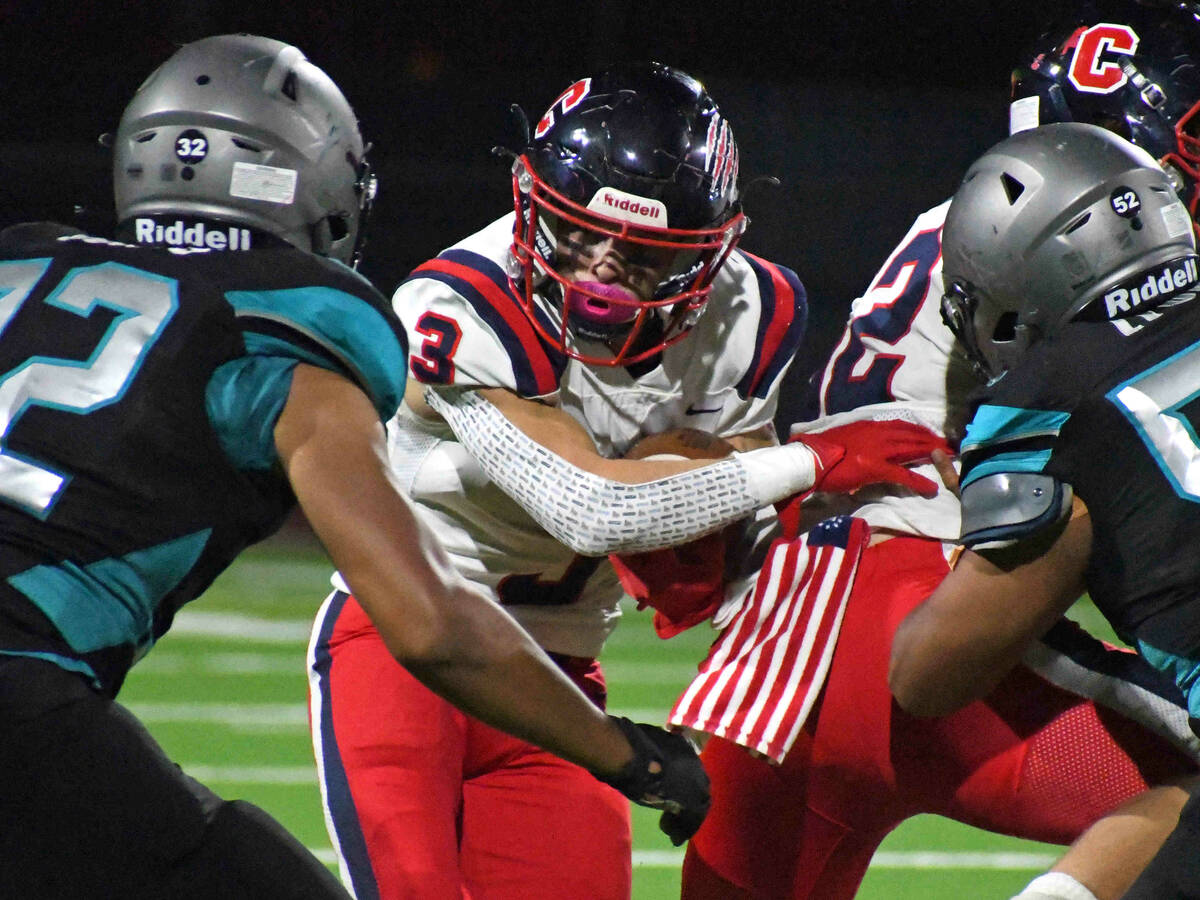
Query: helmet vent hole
1078	223
289	87
1013	189
202	79
245	145
147	137
1006	328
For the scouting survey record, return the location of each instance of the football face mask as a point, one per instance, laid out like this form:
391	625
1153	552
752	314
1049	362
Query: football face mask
656	282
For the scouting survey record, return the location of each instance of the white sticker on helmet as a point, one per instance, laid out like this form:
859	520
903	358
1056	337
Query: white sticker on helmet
614	204
268	183
1176	219
1023	114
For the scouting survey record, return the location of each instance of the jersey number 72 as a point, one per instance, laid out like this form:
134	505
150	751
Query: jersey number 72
143	302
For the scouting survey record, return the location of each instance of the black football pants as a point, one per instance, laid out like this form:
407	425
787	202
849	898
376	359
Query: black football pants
91	807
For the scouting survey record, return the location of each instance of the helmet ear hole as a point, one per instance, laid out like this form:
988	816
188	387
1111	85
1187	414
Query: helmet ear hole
1006	328
339	228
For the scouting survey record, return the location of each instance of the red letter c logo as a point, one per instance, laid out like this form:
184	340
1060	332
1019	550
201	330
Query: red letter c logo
1088	73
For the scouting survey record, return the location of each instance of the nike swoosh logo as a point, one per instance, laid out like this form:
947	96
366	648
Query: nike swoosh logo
693	411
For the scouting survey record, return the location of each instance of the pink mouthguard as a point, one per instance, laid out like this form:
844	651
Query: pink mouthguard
598	309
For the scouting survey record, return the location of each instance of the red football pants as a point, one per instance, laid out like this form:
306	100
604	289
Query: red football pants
423	801
1029	760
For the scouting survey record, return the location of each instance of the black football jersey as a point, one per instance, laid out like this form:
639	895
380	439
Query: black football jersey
139	388
1111	409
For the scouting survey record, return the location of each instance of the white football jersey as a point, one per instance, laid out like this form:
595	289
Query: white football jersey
897	357
466	328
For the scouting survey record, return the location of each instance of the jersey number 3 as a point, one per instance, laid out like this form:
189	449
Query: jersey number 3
435	364
143	302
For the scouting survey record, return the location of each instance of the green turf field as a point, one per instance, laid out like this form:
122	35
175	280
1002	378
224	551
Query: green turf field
225	694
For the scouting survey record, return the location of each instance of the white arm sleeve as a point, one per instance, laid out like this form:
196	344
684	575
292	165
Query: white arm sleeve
594	515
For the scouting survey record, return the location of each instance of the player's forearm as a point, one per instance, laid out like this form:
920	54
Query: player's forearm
488	667
595	515
462	645
976	625
938	667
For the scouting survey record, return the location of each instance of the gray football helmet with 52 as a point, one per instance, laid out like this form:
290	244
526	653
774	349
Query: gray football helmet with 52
1060	222
243	129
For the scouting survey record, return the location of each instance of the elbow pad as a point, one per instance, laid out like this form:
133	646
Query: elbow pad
1003	509
595	516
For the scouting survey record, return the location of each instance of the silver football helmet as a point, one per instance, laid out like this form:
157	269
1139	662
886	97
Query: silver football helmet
1056	223
245	130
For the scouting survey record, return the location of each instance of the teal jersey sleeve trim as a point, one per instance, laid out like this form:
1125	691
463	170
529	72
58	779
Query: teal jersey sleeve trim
347	327
1185	672
112	601
1002	463
997	424
244	399
63	662
269	345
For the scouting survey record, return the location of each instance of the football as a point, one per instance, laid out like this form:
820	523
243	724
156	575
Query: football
690	443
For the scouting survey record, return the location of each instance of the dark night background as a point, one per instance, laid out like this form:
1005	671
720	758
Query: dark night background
867	112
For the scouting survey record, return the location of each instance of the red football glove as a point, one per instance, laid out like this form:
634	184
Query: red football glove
874	452
684	585
852	456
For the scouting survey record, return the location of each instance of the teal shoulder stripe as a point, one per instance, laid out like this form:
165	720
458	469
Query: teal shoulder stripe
63	662
112	601
995	424
1003	463
348	327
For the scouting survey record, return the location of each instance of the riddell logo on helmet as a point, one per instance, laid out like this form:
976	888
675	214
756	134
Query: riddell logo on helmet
197	235
1139	290
614	204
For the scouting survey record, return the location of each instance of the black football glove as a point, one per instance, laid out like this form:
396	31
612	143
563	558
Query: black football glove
680	786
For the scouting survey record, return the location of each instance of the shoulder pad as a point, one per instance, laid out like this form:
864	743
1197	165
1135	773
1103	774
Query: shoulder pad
17	238
356	334
1005	508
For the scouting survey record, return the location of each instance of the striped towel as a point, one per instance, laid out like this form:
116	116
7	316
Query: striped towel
765	671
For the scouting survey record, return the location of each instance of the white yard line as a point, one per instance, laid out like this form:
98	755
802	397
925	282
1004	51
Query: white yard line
198	623
266	716
251	774
912	859
277	716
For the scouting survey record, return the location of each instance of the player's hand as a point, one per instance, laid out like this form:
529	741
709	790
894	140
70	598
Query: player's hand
684	585
665	773
872	452
943	461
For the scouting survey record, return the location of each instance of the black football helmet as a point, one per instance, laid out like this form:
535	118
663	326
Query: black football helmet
642	156
1130	67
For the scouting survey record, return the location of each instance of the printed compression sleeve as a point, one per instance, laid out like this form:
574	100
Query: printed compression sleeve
595	516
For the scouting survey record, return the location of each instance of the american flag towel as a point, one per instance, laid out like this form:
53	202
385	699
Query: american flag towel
765	671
